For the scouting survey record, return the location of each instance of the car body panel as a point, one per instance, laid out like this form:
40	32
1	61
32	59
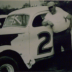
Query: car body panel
30	31
12	30
3	16
35	41
30	11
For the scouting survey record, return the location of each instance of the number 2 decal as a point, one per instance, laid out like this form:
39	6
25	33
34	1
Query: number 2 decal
47	36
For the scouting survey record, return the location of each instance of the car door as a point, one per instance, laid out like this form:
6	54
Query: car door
41	38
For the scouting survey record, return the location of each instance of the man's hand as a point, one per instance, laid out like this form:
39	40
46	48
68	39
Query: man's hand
44	23
69	17
47	22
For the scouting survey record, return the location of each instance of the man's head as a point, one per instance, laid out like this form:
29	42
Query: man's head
51	7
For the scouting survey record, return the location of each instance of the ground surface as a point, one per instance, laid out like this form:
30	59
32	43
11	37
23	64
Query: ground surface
47	65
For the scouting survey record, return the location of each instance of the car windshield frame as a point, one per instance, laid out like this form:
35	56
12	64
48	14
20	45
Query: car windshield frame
6	25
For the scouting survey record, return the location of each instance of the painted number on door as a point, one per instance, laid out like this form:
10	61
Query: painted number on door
47	36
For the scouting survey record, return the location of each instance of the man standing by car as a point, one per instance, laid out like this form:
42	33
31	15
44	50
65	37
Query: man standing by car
60	21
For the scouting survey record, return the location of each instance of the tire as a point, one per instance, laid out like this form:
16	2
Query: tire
8	64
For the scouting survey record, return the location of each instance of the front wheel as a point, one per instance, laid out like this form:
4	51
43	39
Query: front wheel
8	64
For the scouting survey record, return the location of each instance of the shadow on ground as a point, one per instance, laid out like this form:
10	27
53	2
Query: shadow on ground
47	65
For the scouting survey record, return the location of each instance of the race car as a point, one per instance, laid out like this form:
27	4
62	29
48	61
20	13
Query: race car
23	39
2	19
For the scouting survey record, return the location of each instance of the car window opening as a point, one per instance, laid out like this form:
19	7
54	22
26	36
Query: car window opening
38	20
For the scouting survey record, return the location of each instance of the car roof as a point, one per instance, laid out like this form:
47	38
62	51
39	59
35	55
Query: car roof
3	16
30	10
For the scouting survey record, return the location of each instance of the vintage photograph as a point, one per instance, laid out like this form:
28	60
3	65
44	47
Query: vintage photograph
35	35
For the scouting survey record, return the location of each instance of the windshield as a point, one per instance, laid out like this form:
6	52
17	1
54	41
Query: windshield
16	20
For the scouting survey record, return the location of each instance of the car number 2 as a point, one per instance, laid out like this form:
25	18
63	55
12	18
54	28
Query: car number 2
47	39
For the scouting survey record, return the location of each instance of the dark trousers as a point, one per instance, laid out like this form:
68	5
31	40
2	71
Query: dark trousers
62	59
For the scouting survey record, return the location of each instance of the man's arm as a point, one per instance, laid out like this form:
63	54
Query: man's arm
47	22
69	17
44	22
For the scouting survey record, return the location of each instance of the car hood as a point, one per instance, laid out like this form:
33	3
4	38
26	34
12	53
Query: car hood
12	30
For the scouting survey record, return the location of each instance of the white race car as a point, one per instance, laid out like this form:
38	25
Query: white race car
23	40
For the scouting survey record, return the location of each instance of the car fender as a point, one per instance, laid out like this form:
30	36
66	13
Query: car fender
28	60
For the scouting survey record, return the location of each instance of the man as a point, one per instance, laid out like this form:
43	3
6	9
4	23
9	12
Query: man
60	21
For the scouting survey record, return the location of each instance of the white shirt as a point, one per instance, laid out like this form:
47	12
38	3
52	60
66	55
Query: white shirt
58	20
